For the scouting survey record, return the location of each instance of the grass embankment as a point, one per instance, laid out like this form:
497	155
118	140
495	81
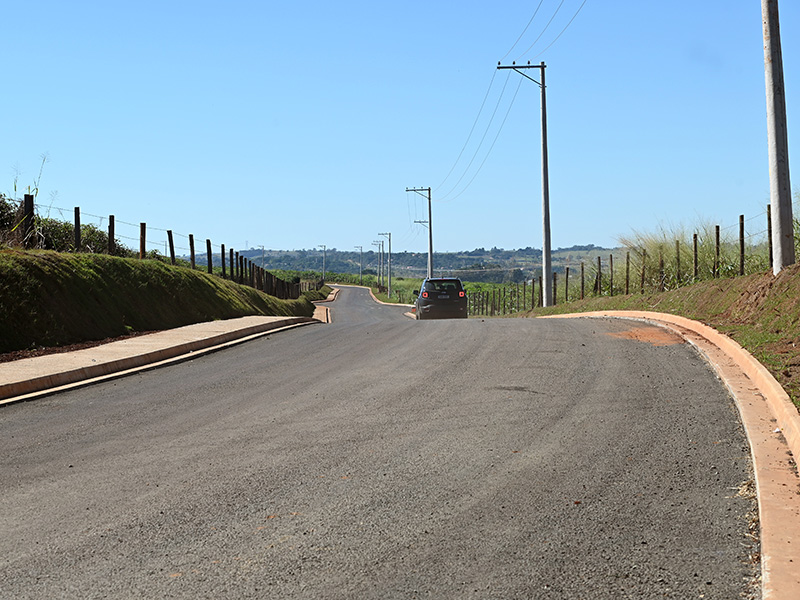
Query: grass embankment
761	312
54	299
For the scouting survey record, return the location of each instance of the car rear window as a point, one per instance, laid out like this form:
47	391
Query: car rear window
445	285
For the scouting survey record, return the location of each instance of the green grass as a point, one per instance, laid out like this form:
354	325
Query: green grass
53	299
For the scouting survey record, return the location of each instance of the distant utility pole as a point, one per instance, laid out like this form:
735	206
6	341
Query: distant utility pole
780	190
547	270
381	264
430	226
379	245
361	266
324	249
390	262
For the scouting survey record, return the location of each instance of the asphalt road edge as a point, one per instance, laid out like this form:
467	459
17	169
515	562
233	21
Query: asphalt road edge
772	426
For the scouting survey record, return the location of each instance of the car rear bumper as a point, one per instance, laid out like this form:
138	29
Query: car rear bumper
433	310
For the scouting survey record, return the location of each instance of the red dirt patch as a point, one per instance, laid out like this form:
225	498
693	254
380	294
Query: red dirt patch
650	335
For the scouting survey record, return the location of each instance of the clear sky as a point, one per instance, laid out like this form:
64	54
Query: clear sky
296	124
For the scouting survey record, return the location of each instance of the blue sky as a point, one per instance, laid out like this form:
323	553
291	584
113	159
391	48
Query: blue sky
292	125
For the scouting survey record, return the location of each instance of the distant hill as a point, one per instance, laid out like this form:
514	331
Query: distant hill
495	265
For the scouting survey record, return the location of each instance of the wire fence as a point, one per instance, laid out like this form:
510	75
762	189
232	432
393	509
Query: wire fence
646	264
31	230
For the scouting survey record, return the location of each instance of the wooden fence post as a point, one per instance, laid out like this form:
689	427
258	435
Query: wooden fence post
678	262
112	242
541	287
566	284
644	263
598	284
209	257
191	249
583	282
627	272
222	259
716	254
741	244
696	265
611	275
661	275
77	229
525	295
555	287
27	221
142	240
233	266
171	246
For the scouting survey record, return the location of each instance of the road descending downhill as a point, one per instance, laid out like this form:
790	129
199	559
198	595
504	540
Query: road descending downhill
380	457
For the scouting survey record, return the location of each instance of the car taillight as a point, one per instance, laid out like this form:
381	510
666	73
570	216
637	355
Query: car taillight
461	294
424	294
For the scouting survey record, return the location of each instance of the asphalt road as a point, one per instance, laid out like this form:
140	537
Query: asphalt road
380	457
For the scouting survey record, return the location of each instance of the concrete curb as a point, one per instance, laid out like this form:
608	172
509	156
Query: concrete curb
364	287
331	297
29	376
762	405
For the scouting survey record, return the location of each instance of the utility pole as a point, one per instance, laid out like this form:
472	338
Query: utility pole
390	263
779	187
547	269
361	266
430	226
324	248
381	263
379	244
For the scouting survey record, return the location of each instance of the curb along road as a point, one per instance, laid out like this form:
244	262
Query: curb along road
772	424
30	378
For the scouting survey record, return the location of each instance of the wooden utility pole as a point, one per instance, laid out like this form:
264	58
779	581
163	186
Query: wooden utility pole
780	189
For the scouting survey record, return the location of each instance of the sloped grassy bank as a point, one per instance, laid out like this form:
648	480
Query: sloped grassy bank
761	312
54	299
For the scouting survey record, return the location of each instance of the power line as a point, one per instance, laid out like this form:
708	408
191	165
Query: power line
488	126
464	147
563	30
543	30
523	31
493	142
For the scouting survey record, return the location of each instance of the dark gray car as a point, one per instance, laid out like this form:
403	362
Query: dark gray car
441	298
